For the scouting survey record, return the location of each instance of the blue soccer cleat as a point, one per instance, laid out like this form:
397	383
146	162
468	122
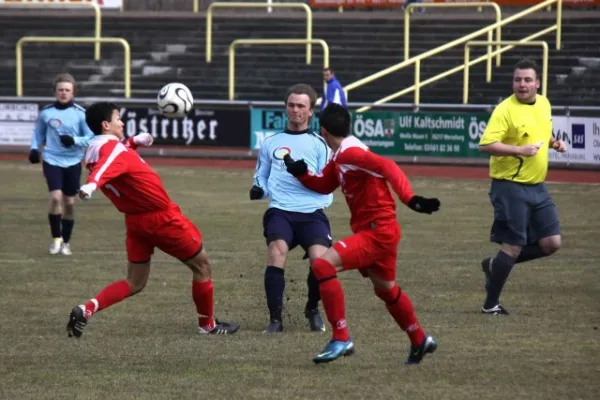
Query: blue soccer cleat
417	353
334	350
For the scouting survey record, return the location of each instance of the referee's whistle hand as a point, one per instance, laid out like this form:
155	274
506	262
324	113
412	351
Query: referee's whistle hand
529	150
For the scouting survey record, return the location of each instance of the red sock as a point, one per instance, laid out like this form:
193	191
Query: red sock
202	294
332	296
113	293
400	307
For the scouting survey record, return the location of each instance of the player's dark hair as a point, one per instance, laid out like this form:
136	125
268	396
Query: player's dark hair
329	69
528	63
336	120
98	113
302	88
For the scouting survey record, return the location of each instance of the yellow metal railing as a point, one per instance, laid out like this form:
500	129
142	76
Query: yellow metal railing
305	7
409	9
416	61
97	22
239	42
52	39
513	43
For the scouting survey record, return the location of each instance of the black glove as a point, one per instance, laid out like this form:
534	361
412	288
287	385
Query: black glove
67	140
256	193
296	168
423	205
34	156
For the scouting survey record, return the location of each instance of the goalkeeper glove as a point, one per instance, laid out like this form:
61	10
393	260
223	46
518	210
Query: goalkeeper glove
296	168
424	205
34	156
256	193
143	139
67	140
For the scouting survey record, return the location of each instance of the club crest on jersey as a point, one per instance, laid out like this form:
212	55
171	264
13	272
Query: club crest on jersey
55	123
280	152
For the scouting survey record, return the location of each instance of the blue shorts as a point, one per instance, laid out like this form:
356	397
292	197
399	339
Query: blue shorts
523	214
297	229
65	179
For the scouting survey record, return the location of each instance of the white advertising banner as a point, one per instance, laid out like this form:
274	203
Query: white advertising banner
582	136
101	3
17	121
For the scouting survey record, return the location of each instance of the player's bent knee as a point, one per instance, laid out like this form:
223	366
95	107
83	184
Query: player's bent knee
390	295
200	266
323	269
551	244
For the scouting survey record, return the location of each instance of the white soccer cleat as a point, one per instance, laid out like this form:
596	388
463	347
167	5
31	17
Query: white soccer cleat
65	249
55	246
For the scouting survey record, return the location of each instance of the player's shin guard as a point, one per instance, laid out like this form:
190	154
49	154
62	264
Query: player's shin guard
67	229
54	221
202	294
113	293
332	296
274	288
313	291
501	267
401	309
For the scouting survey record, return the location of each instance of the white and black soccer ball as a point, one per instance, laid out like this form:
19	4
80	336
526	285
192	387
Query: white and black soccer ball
175	100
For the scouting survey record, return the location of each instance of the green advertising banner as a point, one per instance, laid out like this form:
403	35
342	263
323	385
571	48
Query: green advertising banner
394	133
421	134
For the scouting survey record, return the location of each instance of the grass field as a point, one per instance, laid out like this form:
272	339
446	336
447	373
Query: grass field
147	346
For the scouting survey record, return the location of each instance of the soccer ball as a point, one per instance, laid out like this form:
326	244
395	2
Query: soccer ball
175	100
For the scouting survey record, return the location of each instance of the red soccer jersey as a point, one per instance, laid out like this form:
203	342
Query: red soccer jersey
363	176
119	171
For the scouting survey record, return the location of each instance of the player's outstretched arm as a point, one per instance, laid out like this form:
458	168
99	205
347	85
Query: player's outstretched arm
324	183
141	140
395	176
259	191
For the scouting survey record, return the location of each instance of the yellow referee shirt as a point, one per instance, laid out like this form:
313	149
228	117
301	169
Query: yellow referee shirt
518	124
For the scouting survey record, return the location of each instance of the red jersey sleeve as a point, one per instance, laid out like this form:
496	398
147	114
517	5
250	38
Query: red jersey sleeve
111	163
324	182
130	143
374	163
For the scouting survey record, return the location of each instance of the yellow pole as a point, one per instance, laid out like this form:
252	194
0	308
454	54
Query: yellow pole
417	82
488	66
559	25
19	66
232	70
466	75
545	69
196	6
406	33
208	41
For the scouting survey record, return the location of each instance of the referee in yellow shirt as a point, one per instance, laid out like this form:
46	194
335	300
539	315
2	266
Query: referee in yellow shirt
517	137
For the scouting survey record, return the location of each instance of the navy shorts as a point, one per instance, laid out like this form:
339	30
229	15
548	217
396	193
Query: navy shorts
297	229
65	179
523	214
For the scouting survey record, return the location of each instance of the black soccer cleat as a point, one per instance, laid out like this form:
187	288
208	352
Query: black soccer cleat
77	321
221	328
315	322
486	267
496	310
275	326
417	353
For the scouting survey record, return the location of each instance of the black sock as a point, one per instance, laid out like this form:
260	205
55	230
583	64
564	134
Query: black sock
501	267
54	220
530	252
67	228
314	296
274	287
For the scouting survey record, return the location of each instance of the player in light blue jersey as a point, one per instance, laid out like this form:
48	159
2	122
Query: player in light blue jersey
62	131
295	215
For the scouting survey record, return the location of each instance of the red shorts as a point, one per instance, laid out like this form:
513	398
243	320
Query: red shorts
374	249
168	230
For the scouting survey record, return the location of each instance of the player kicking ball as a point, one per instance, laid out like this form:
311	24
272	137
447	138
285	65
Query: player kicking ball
372	249
151	219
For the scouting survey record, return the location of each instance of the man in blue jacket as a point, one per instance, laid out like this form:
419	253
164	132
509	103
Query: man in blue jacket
335	92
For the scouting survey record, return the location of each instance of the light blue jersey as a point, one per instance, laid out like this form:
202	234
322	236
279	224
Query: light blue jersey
285	191
56	120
